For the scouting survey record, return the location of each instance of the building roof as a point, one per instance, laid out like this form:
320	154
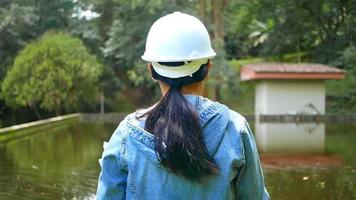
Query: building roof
290	71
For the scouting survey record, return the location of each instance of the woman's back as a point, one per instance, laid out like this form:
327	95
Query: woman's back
185	146
131	168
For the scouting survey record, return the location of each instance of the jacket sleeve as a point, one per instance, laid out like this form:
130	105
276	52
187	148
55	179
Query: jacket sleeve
113	177
250	182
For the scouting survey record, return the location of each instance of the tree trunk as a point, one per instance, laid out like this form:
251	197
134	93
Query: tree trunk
34	106
217	15
217	96
217	11
102	101
202	8
13	116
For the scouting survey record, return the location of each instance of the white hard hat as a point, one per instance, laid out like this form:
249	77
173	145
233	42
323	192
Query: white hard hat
178	37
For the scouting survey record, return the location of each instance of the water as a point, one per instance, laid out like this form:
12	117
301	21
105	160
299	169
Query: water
322	164
55	165
63	164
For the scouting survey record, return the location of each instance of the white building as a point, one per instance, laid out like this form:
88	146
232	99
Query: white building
285	89
289	89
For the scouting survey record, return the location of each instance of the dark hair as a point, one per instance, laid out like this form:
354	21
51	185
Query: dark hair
179	141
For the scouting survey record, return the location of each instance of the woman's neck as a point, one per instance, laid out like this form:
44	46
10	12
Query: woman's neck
193	89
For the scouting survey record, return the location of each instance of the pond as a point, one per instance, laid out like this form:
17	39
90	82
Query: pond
63	164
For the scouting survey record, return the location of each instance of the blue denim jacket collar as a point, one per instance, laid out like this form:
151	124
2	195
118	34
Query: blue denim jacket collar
206	111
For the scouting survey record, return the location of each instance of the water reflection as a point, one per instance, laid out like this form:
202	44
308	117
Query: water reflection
57	165
338	140
290	137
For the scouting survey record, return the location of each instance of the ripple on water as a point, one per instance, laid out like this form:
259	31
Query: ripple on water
27	184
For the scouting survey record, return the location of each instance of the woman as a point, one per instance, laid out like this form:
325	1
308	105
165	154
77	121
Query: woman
185	146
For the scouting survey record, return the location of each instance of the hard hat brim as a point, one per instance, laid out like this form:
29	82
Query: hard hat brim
178	71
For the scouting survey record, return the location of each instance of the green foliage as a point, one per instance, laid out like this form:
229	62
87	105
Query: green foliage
341	94
18	17
14	26
272	30
239	16
278	27
57	72
287	58
222	75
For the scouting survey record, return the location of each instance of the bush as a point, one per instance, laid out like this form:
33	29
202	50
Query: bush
56	72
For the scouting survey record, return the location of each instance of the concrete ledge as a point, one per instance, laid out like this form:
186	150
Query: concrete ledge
291	118
335	118
329	118
21	130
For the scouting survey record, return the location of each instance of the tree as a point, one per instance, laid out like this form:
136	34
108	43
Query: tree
341	94
56	72
213	14
125	42
127	35
17	20
18	17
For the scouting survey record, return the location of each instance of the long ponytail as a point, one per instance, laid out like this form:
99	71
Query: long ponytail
176	127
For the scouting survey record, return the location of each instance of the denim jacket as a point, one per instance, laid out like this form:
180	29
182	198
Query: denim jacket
130	168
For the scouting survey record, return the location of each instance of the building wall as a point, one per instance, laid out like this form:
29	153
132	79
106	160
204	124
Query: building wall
290	97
